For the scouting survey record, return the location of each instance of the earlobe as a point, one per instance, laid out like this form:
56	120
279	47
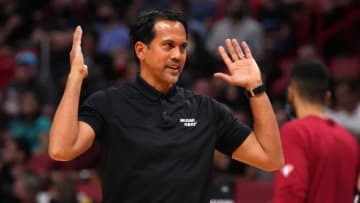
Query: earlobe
139	50
290	93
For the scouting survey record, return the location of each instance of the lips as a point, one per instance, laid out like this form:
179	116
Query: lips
173	67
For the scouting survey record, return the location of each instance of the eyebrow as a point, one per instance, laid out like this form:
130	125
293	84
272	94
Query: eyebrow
185	44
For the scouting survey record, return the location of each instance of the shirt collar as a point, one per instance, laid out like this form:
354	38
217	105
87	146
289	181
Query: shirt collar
153	94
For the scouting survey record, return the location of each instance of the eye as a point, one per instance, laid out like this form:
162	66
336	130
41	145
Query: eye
184	46
169	45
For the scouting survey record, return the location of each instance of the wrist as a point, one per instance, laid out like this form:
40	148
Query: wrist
75	76
260	89
253	85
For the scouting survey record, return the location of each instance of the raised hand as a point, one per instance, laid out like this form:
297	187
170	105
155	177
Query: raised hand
78	68
243	70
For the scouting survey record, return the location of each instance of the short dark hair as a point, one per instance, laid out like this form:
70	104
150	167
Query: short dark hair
143	27
311	79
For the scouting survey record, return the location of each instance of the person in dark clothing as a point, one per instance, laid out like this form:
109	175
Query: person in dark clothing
157	138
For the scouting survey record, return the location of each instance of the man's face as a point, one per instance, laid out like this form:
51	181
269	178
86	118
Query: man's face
163	60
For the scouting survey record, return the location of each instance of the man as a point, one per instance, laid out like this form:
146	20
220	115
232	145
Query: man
321	158
158	139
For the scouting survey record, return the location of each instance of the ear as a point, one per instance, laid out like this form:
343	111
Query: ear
327	98
140	49
290	93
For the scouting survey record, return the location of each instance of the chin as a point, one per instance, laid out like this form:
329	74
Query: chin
172	79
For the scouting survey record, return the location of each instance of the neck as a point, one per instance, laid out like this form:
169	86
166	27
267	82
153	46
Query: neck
161	87
305	108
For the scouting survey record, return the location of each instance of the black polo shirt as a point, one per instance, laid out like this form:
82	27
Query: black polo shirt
159	147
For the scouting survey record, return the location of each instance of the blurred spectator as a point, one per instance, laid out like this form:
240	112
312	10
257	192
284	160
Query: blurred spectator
338	27
113	32
62	190
59	17
27	77
238	24
276	22
10	107
307	51
26	188
301	17
15	22
13	158
346	110
202	9
345	67
31	125
198	20
6	67
153	4
272	14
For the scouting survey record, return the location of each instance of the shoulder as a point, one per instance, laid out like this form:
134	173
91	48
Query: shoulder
119	87
299	123
115	89
294	128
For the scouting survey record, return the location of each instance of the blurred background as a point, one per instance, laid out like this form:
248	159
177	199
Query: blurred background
36	37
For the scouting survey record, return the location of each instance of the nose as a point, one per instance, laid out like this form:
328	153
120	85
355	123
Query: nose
176	53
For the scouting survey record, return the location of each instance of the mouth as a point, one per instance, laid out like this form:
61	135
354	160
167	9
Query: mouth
174	68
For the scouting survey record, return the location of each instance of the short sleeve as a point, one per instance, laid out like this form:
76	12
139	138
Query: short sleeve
93	110
230	132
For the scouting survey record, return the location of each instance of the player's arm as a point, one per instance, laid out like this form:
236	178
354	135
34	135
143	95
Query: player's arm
262	148
69	137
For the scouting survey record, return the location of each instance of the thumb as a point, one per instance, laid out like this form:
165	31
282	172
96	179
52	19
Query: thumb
223	76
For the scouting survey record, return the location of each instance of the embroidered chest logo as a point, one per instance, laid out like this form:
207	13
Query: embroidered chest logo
188	122
287	169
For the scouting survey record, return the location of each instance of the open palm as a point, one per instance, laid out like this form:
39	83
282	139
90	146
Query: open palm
76	56
243	70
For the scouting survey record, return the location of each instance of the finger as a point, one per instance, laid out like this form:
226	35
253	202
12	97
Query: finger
238	50
224	55
77	37
246	49
223	76
231	49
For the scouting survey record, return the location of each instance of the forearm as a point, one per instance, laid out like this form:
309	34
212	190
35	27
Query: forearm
266	128
64	129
